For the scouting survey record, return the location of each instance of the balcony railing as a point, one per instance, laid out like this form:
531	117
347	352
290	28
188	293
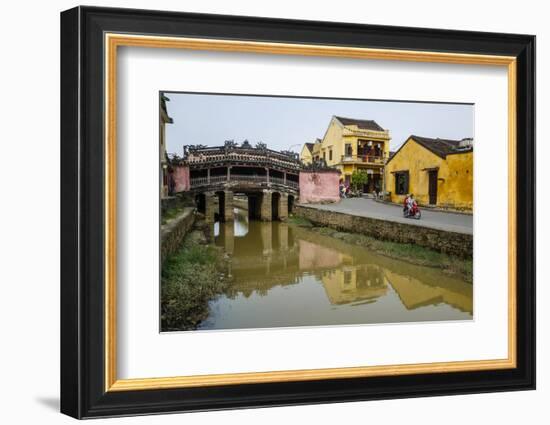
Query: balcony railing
213	180
199	181
277	180
369	159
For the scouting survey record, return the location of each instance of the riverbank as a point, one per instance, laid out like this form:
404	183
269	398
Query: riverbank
436	231
193	275
176	223
411	253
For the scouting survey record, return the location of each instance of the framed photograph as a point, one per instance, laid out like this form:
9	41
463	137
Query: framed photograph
261	212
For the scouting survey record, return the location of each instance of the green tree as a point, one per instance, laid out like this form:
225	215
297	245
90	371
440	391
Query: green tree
359	178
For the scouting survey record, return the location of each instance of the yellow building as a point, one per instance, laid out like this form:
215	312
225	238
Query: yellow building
306	155
354	283
351	144
437	172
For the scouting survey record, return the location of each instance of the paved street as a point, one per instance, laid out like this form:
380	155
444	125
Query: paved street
461	223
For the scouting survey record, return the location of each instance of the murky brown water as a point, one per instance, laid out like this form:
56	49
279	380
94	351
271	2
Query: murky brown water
283	276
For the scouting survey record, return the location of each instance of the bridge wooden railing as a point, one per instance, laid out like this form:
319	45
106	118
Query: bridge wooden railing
213	180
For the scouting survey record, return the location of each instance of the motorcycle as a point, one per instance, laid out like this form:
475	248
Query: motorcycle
413	212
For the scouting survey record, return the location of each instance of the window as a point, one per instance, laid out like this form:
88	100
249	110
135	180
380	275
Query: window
324	156
402	183
349	150
347	277
330	154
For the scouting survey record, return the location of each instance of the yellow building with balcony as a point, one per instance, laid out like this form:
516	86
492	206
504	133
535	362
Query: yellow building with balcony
350	145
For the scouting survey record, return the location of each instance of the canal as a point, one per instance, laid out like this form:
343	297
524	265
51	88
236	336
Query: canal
283	275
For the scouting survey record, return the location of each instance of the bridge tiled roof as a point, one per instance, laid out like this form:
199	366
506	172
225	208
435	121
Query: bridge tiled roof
209	156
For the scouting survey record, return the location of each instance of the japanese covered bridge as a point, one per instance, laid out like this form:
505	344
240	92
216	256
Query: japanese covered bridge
269	180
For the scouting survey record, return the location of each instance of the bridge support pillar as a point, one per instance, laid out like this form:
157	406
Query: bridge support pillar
209	206
283	207
266	232
229	238
283	236
265	209
228	206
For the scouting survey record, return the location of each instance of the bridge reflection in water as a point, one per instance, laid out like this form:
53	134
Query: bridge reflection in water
288	276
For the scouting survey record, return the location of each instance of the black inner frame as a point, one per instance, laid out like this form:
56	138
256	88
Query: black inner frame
82	212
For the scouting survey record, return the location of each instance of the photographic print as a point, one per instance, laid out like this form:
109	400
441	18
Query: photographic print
254	183
291	211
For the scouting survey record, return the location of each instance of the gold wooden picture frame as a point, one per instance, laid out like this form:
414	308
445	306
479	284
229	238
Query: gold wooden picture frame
114	41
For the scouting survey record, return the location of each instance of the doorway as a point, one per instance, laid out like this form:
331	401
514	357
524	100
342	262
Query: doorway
432	186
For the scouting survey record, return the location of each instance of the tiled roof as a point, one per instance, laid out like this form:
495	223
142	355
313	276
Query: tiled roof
362	124
309	146
440	147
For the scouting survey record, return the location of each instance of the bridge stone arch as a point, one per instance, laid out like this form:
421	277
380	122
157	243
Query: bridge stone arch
279	205
265	204
290	204
275	205
224	210
200	202
254	200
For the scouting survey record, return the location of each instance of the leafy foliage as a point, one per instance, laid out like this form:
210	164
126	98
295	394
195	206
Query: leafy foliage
359	178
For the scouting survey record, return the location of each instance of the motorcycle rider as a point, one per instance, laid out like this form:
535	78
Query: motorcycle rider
406	204
410	204
342	189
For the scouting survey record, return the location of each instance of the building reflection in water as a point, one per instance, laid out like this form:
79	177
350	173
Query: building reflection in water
269	256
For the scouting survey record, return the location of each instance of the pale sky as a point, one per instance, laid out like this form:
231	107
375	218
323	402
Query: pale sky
286	123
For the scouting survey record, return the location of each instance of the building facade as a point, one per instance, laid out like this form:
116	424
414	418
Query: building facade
350	145
437	172
306	154
164	163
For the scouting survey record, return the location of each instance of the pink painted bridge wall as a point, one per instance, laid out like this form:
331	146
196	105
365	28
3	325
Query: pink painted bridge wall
181	177
320	186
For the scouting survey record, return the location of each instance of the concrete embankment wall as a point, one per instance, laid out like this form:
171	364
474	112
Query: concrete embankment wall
452	243
173	232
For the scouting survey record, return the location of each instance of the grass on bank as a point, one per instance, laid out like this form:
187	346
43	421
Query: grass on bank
410	253
300	221
170	214
191	277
